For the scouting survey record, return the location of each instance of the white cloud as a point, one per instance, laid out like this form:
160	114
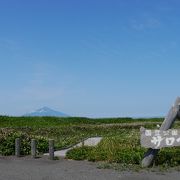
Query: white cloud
144	23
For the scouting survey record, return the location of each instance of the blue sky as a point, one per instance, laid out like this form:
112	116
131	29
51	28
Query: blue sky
98	58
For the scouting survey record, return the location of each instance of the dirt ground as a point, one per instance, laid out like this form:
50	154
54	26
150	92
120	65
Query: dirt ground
26	168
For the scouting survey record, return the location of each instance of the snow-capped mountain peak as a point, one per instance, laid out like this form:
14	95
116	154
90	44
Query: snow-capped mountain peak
45	111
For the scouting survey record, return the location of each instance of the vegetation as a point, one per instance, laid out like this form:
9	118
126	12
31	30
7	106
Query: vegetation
121	142
6	121
7	139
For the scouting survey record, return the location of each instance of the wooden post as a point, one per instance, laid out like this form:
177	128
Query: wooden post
83	143
171	117
17	147
51	149
150	155
33	148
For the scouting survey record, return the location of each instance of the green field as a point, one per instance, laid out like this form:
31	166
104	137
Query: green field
121	142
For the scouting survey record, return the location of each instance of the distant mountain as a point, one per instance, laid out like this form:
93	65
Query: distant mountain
45	111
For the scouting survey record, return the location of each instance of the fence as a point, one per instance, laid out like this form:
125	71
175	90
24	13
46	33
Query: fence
34	148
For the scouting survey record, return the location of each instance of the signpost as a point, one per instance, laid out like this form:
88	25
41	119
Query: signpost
172	115
157	139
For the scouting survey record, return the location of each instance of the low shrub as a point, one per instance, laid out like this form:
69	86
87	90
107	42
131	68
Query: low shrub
79	153
124	149
7	143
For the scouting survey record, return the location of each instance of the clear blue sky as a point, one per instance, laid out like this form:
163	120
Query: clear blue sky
95	58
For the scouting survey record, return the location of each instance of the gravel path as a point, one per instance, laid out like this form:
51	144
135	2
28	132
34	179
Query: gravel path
93	141
25	168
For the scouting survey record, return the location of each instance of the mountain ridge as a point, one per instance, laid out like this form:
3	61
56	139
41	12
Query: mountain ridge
46	111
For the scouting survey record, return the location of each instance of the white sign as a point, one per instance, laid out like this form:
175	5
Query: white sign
157	139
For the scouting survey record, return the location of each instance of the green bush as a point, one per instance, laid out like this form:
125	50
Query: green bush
124	149
42	145
7	143
79	153
168	157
